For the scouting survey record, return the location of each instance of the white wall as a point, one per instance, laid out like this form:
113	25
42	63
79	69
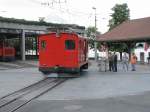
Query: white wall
137	52
91	54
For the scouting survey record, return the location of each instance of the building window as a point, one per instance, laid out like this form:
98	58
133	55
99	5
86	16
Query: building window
142	57
69	44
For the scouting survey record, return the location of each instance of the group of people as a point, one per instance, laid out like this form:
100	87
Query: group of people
112	57
112	62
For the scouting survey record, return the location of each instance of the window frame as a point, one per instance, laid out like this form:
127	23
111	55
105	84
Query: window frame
70	44
43	44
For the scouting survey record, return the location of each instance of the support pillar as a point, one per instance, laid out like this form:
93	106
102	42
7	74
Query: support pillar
107	50
95	48
36	39
23	46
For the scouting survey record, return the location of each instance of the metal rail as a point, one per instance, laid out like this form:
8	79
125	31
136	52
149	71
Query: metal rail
11	102
18	94
24	89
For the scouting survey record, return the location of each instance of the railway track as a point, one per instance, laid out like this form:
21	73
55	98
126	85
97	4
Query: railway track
14	101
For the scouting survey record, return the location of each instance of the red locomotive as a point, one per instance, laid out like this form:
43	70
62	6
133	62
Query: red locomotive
7	53
63	52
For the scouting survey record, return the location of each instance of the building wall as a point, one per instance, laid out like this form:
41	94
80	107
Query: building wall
140	50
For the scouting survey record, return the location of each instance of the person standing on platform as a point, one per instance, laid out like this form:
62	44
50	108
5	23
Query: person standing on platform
125	61
133	61
115	62
110	59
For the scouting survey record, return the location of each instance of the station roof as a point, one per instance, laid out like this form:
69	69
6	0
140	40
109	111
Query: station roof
19	24
131	30
25	22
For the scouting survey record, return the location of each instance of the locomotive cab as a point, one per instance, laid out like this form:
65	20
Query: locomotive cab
61	53
7	52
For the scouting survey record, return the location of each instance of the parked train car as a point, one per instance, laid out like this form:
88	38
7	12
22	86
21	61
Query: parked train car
6	53
66	52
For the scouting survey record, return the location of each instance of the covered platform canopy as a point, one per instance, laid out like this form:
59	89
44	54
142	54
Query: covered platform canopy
23	35
137	30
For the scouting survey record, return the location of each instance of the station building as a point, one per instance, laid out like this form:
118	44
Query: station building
22	35
131	32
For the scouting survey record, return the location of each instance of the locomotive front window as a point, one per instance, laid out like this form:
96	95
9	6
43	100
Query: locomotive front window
43	44
69	44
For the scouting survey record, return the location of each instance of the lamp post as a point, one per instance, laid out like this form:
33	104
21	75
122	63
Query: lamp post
95	43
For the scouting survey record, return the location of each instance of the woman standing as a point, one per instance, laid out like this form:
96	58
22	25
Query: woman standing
133	61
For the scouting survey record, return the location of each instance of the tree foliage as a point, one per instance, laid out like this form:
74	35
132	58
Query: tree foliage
120	14
118	47
90	33
41	19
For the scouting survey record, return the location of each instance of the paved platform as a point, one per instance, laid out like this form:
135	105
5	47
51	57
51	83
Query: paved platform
94	91
94	84
15	79
18	64
134	103
102	84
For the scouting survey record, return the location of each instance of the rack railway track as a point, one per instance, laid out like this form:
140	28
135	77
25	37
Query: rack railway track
11	102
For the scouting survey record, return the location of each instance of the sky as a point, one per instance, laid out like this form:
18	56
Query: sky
78	12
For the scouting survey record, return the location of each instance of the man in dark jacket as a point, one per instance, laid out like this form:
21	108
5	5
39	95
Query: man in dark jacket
110	59
115	62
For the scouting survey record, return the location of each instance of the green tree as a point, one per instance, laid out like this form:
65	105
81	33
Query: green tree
120	14
90	33
41	19
118	47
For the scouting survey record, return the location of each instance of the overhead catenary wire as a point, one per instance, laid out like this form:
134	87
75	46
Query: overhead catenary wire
69	13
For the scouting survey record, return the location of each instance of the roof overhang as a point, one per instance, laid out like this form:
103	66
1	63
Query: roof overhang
125	39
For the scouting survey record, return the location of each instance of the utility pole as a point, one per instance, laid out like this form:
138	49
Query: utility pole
95	43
